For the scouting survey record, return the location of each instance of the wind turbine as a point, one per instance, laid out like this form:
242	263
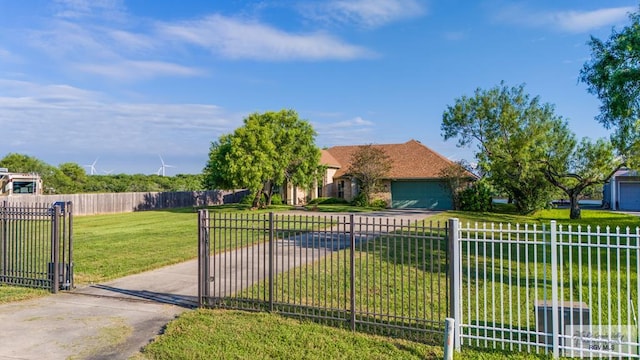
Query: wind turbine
163	167
107	172
92	167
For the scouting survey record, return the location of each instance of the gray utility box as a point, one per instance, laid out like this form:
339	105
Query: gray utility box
569	313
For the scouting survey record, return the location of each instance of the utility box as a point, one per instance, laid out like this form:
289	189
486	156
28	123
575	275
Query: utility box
569	313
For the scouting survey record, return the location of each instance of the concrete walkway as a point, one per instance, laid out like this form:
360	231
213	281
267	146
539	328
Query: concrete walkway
116	319
107	321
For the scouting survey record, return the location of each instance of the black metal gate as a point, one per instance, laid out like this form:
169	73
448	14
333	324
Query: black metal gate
36	245
376	274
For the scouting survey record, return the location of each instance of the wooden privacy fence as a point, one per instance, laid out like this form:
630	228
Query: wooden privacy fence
110	203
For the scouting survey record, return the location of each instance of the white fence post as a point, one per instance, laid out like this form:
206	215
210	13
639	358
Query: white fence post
555	330
449	325
455	275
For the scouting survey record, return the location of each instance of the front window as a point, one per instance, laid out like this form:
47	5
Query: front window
341	189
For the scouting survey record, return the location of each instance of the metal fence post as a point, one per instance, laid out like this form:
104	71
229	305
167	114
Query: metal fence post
203	257
352	270
200	263
455	275
271	254
3	241
69	207
554	291
55	249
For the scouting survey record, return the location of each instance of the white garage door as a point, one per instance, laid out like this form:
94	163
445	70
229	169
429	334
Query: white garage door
629	196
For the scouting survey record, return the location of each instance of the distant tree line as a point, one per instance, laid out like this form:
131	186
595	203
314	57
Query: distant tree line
71	178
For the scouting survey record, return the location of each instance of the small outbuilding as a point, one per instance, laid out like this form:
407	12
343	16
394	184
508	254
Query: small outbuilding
622	192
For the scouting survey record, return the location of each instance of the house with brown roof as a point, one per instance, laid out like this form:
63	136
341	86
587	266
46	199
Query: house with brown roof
414	181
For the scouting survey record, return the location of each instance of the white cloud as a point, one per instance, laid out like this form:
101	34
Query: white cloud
8	56
567	21
576	21
134	70
67	39
355	122
365	13
113	9
112	53
132	41
62	118
350	132
238	39
117	51
377	12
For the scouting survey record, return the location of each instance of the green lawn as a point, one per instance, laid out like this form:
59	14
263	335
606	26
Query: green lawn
505	214
220	334
16	293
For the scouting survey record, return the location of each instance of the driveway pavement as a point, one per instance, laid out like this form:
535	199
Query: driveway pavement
113	320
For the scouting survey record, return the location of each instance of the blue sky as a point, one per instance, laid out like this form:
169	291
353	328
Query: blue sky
126	81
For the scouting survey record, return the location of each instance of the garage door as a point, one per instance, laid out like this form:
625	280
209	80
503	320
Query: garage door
629	196
420	194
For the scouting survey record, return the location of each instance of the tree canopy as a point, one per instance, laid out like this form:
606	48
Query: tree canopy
513	133
526	150
613	74
270	149
584	164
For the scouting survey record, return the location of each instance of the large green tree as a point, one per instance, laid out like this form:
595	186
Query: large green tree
513	133
613	74
270	149
583	165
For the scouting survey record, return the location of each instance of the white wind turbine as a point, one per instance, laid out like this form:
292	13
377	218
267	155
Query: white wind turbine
92	167
161	170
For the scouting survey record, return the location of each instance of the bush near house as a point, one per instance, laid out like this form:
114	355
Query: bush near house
476	198
327	201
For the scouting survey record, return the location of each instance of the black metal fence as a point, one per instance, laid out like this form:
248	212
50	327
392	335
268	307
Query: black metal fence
36	245
379	275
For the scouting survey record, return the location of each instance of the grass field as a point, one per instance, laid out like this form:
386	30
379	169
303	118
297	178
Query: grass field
220	334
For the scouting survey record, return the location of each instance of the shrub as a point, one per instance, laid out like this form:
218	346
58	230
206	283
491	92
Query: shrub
276	199
327	201
247	199
476	198
379	203
359	201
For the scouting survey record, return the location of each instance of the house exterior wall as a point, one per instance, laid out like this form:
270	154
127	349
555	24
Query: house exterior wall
351	190
292	195
328	185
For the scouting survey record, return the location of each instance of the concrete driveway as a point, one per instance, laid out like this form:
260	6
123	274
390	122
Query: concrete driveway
113	320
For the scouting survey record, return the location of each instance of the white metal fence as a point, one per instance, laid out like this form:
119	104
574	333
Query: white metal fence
569	290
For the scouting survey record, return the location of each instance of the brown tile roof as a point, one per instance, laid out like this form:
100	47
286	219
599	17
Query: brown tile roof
411	160
327	159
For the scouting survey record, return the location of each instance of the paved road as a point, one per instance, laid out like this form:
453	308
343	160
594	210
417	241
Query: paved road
115	319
